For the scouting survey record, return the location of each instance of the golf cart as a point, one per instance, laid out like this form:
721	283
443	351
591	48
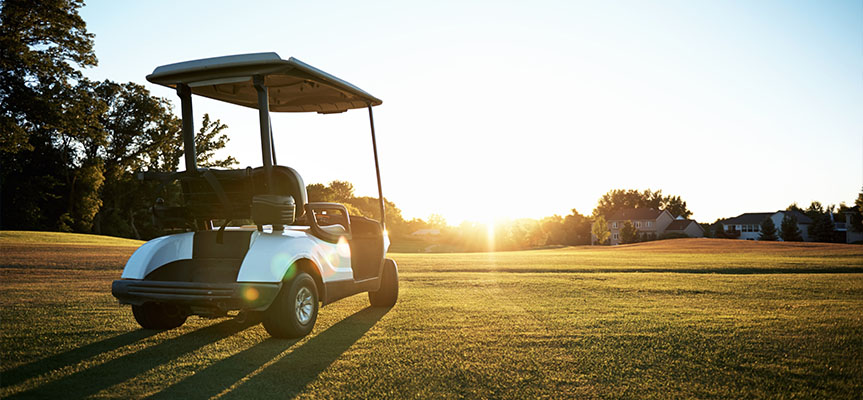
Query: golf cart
294	255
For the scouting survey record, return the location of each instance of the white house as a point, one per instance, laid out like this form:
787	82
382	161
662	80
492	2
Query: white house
649	221
748	225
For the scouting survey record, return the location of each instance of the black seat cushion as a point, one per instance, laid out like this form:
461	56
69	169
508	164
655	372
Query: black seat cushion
227	194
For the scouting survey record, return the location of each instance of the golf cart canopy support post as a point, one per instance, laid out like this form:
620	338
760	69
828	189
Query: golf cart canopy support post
377	169
188	126
266	132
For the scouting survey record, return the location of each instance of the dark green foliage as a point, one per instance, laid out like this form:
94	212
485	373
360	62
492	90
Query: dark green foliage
822	227
789	231
142	133
673	235
708	231
815	210
42	46
794	207
209	139
70	146
768	230
44	113
857	214
618	199
628	233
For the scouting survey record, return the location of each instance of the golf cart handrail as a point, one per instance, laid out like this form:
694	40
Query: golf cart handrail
294	86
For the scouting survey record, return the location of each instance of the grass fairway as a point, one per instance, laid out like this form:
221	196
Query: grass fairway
673	319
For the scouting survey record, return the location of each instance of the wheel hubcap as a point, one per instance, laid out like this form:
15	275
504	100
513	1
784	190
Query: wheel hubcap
304	306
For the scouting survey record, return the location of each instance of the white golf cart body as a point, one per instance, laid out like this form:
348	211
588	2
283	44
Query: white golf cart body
213	270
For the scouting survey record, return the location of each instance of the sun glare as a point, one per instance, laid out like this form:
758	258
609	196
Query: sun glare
490	234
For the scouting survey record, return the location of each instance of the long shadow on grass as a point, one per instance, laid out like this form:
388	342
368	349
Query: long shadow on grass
21	373
92	380
286	377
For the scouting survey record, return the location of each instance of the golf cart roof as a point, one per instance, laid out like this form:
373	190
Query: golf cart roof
294	86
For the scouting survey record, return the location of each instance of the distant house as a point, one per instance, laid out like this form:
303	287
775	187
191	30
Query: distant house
426	233
843	230
748	225
687	227
646	220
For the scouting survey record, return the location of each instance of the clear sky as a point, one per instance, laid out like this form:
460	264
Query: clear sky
527	109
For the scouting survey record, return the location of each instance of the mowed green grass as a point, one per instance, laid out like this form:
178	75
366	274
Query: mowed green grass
673	319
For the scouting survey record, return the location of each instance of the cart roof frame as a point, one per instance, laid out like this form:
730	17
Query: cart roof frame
293	85
266	82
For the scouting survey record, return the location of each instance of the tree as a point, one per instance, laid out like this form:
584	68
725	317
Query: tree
577	229
209	139
141	132
70	146
318	192
676	206
42	46
600	230
789	231
45	111
708	231
437	221
814	210
554	230
341	191
628	233
857	214
618	199
768	230
822	227
794	207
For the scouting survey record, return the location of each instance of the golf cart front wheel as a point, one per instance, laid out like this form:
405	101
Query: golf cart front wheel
158	315
295	310
388	293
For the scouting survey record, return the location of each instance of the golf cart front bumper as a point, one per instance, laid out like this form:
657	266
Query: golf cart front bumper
219	296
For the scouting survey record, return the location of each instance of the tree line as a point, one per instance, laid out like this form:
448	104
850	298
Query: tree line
71	146
573	229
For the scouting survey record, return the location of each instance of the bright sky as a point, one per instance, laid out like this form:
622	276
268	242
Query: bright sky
527	109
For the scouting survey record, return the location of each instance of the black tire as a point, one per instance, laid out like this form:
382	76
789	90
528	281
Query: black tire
388	293
159	315
282	320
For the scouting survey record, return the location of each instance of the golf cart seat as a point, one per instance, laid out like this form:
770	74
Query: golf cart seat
227	194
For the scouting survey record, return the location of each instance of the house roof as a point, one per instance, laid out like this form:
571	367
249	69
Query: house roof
680	224
748	218
758	218
635	213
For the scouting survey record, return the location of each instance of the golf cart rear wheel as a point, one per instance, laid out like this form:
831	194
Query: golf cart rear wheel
295	310
158	315
388	293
